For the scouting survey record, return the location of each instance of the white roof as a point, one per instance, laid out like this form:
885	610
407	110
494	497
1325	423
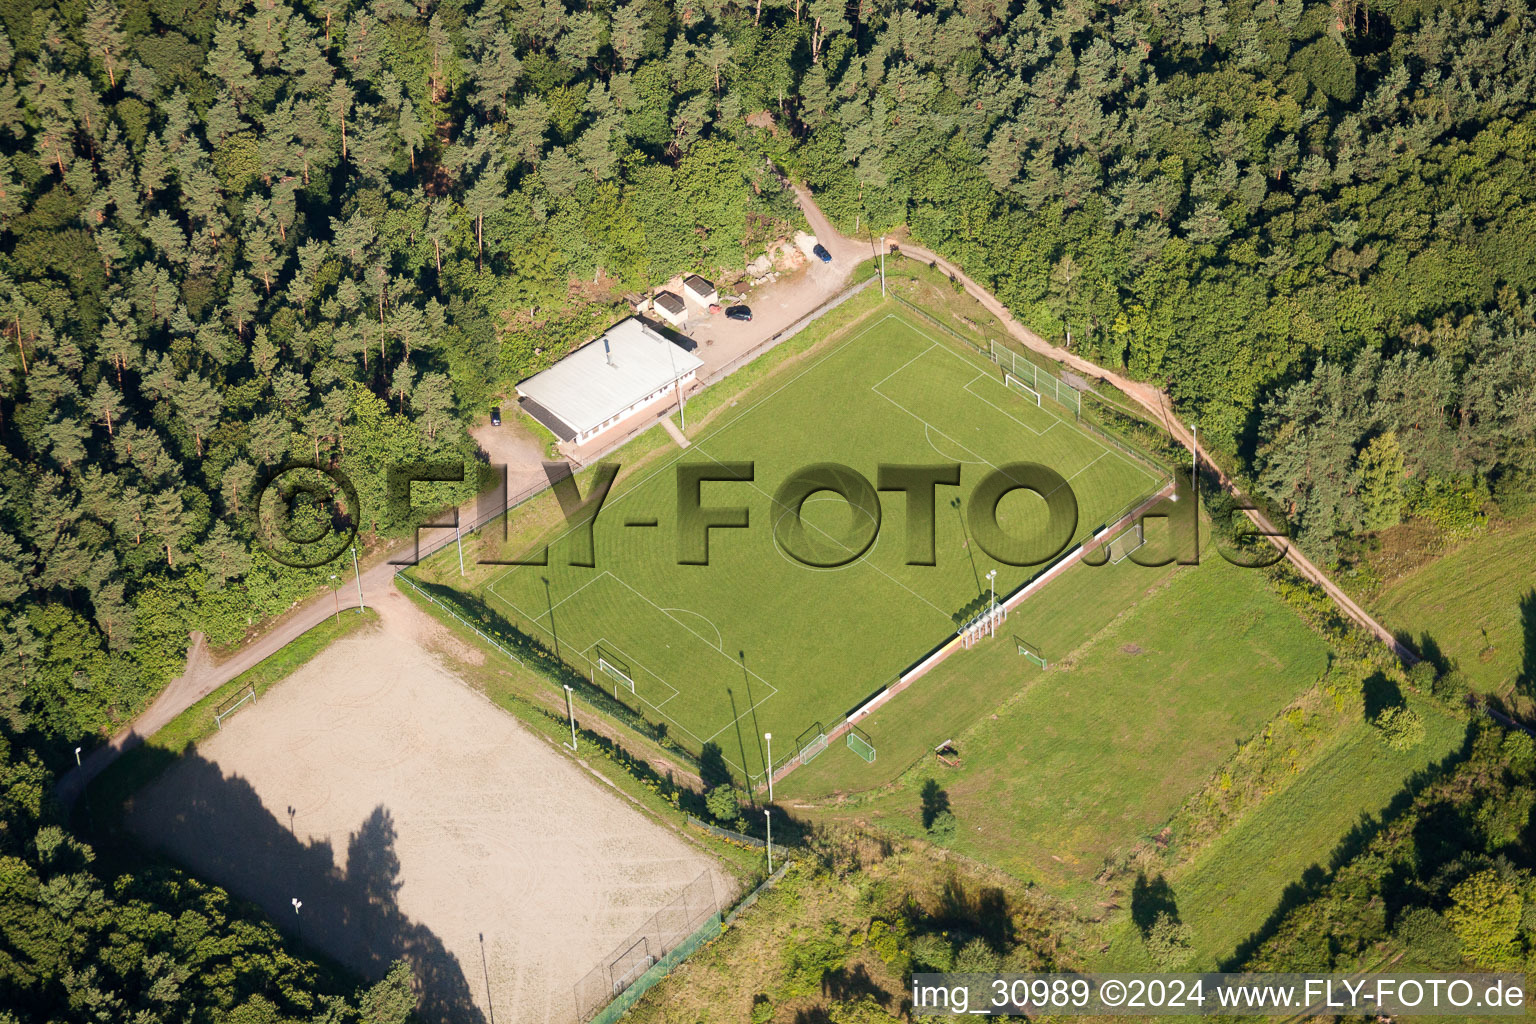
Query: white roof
586	388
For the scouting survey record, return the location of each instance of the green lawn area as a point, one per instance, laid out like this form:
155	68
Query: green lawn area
1232	888
1088	758
1478	604
949	699
757	642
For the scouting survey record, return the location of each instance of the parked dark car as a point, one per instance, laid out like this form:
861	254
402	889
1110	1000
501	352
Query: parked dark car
738	313
496	417
821	253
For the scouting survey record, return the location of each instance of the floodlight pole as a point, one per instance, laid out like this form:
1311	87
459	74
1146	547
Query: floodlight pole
1194	462
682	407
459	540
768	738
359	577
768	821
992	611
570	712
336	593
882	266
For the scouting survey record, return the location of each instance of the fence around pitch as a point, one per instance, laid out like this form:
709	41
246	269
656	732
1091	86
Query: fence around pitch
709	930
726	834
644	958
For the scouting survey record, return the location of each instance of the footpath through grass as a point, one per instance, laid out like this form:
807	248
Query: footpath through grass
140	765
1475	607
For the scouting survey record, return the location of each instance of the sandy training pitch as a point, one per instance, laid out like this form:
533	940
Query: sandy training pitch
414	819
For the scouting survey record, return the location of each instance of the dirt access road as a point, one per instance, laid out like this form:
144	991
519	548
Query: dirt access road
775	307
1155	402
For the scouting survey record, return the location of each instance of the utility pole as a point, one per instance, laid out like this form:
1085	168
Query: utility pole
336	593
1194	462
459	540
882	266
571	713
769	822
359	577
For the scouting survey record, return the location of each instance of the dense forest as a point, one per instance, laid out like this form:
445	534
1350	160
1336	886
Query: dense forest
234	234
239	233
1311	222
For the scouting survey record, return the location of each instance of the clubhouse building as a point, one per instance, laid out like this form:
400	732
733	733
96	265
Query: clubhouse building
607	381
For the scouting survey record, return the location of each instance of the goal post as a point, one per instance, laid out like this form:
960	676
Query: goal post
233	703
810	743
1121	547
629	965
1015	384
620	677
859	744
1029	651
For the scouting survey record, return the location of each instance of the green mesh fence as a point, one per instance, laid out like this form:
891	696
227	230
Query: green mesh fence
637	988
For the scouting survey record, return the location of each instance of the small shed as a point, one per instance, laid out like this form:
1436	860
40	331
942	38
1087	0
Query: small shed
700	290
671	308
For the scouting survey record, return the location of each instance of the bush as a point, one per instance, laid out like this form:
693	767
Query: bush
1422	675
1456	507
1401	727
1451	686
976	957
944	826
1428	939
807	962
1519	752
1168	940
932	953
723	804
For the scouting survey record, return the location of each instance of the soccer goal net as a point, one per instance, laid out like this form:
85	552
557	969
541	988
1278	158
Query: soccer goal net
810	743
1029	650
620	677
233	703
1022	375
1121	547
630	964
1015	384
859	744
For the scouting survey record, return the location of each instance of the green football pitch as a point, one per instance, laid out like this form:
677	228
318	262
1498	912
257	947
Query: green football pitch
757	642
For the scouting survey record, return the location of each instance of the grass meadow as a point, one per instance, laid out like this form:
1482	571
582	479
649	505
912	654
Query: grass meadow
1230	890
1077	764
1476	605
757	642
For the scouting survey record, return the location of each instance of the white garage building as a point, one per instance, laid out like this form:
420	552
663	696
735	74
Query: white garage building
607	381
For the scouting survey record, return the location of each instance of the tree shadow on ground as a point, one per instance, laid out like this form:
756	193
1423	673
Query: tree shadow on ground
1380	693
983	912
1525	682
935	802
1151	898
218	828
1316	878
845	985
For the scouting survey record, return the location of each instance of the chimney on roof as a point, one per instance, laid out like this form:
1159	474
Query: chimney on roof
607	353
